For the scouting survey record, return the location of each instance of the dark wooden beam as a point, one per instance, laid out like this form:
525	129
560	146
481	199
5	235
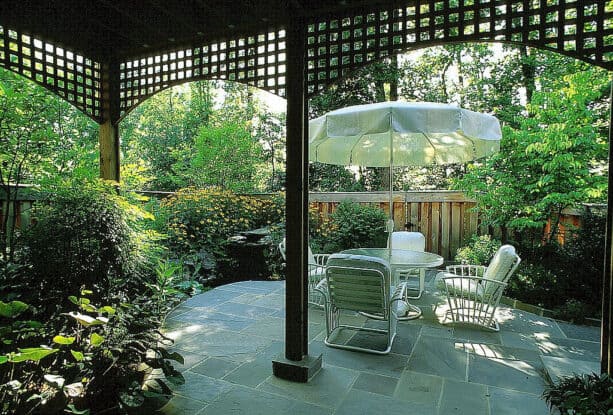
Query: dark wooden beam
108	133
296	364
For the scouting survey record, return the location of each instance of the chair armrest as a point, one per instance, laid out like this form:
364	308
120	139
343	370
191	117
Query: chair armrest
321	259
466	270
459	286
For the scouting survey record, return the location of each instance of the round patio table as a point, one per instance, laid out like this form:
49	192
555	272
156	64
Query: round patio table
401	258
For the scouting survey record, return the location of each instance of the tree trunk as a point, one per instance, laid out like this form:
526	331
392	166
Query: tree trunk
528	71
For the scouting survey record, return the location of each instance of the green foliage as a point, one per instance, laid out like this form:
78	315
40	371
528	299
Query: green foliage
478	251
351	225
551	160
585	394
202	220
226	157
82	236
89	364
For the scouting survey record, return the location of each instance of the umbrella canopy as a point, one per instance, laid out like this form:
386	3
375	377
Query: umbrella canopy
418	134
389	134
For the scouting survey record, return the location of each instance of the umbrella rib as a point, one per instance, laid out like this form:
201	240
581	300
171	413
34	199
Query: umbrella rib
353	147
430	142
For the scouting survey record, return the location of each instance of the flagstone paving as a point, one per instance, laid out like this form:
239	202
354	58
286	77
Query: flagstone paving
228	337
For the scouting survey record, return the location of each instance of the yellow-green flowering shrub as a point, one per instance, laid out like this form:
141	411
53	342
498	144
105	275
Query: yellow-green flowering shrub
204	219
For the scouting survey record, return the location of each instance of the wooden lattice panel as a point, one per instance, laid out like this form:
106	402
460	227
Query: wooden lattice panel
258	60
336	45
72	76
579	28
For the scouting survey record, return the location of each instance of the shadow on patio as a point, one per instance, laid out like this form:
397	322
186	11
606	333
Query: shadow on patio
229	336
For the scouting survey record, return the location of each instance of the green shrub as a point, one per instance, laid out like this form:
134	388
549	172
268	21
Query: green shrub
586	394
202	220
534	284
84	236
478	251
351	225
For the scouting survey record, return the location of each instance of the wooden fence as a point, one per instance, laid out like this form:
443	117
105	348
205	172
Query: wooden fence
446	218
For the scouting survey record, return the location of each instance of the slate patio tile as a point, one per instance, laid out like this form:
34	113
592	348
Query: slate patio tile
200	388
419	388
510	374
210	298
463	398
244	310
561	366
439	357
527	323
225	344
327	388
390	365
239	400
476	335
511	402
216	320
569	348
575	331
361	402
181	405
518	340
382	385
214	367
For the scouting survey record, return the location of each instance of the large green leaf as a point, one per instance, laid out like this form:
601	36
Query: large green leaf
77	355
63	340
34	354
95	339
12	309
86	320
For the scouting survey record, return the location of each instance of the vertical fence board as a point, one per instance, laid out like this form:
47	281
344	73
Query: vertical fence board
445	227
434	229
456	228
414	217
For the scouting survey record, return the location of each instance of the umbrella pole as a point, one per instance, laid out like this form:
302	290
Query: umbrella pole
390	222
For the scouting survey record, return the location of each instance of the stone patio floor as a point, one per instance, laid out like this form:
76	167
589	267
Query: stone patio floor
229	336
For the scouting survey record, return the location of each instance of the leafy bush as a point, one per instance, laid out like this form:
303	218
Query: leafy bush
586	394
533	284
351	225
98	361
203	220
478	251
84	236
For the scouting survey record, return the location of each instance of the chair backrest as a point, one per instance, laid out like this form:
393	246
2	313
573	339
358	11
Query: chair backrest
414	241
282	248
310	256
502	266
359	283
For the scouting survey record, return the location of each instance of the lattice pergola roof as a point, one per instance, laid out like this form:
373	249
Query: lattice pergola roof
74	47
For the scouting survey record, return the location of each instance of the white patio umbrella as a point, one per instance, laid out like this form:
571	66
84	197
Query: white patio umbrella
389	134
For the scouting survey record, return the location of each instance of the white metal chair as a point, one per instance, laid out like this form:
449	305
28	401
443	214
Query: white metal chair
359	283
317	272
414	241
474	291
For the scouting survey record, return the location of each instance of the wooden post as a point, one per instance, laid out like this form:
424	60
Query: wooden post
607	279
296	364
108	132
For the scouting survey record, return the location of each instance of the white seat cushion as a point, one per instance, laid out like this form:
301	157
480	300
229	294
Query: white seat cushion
462	287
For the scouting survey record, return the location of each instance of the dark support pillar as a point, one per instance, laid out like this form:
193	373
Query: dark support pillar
108	133
296	364
607	281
